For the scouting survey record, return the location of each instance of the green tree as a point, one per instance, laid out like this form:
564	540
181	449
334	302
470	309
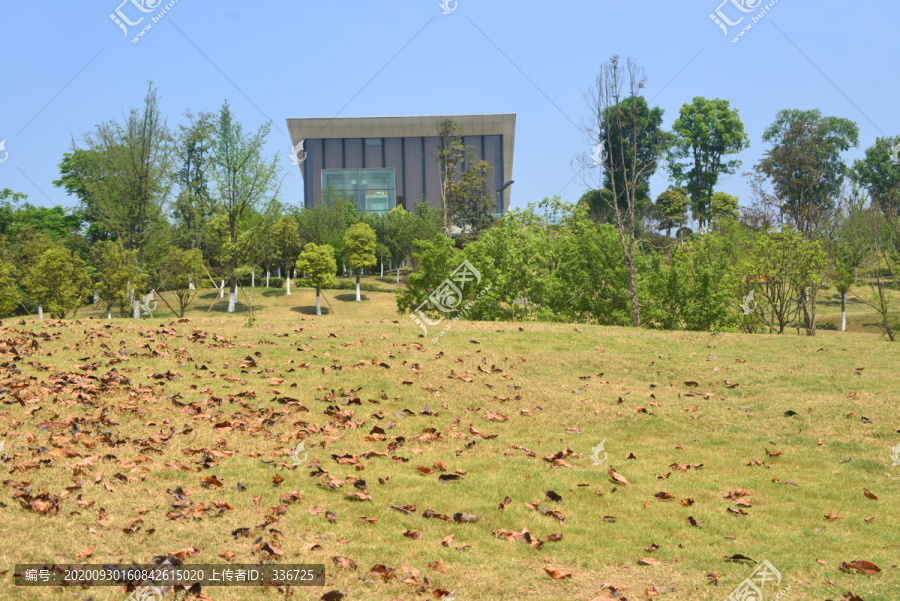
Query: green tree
285	236
130	186
244	191
805	164
81	171
672	205
705	133
723	206
118	275
465	199
629	135
9	292
57	282
193	206
878	174
319	265
636	144
359	250
181	275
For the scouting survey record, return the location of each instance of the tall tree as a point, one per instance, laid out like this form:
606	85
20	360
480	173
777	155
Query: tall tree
705	133
135	178
879	174
805	165
465	199
81	170
672	205
245	184
193	207
318	263
632	144
359	250
287	244
57	282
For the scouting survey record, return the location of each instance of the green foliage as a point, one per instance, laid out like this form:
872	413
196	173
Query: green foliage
57	282
9	293
705	133
285	236
118	274
181	269
403	231
723	206
318	264
359	247
466	201
879	176
805	164
672	206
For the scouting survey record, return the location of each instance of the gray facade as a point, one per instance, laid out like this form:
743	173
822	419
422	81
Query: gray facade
385	162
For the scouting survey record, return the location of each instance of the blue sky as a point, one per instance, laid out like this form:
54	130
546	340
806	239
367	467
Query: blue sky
67	66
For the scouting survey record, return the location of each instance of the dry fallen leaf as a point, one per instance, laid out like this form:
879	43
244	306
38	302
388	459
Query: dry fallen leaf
557	574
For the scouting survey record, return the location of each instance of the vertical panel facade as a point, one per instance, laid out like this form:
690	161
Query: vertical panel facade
413	159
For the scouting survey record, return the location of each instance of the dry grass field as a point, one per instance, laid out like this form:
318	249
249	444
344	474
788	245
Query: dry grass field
467	470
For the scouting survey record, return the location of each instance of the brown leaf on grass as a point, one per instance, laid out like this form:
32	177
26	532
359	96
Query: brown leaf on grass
86	552
737	557
649	561
330	516
404	508
664	496
332	596
694	522
370	520
228	555
832	516
184	553
383	571
310	546
445	542
618	477
358	496
869	494
653	547
870	518
687	502
449	477
495	417
440	593
344	562
206	481
256	500
557	574
744	503
692	384
822	561
276	480
849	596
772	453
865	567
425	470
437	566
465	518
413	534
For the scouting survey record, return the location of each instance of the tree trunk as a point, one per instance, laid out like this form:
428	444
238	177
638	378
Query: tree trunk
222	289
398	273
232	294
109	315
137	310
358	299
40	312
382	269
843	312
253	279
267	278
318	303
288	293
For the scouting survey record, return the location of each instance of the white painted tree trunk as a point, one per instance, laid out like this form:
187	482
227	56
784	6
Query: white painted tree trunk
357	292
318	305
843	312
253	279
398	274
382	269
279	271
232	300
40	312
288	293
109	315
137	310
222	290
267	278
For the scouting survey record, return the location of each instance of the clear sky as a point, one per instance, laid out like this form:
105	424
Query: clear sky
67	66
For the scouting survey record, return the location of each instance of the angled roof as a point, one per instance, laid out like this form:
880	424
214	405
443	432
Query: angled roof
407	127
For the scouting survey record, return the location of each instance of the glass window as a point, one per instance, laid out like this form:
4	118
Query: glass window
373	190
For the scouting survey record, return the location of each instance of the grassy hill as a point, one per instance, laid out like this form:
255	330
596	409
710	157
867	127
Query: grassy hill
774	448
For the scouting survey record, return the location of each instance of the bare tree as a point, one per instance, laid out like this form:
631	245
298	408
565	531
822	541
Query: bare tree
628	145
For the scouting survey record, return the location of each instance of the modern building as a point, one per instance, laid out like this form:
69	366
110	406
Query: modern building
385	162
